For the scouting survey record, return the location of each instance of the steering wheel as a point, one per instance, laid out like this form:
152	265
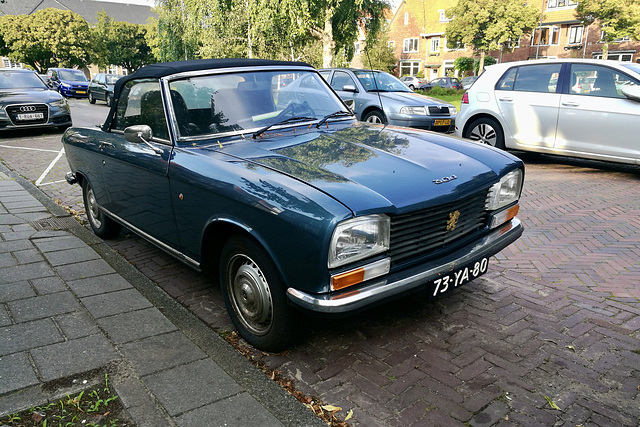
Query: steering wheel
294	109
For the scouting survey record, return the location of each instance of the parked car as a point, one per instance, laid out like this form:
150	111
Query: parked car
69	82
468	81
443	82
101	88
379	97
412	82
26	102
293	203
575	107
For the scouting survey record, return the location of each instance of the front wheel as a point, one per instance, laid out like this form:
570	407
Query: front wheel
102	225
108	99
487	131
255	296
375	117
92	100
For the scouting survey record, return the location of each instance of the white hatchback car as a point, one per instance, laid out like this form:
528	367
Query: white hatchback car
545	106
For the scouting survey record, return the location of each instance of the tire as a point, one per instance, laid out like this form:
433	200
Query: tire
255	296
375	117
108	99
412	87
487	131
101	225
92	100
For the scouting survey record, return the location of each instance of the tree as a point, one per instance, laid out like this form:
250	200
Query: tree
463	63
618	19
380	54
49	37
120	43
489	24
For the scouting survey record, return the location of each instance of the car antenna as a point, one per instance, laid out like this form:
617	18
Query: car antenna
375	82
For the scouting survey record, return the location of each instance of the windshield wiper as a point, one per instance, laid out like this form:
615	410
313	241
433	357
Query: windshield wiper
283	122
332	115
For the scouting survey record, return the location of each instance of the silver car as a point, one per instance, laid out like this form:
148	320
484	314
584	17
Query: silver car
379	97
585	108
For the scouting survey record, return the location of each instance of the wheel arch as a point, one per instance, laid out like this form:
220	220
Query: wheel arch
373	108
476	116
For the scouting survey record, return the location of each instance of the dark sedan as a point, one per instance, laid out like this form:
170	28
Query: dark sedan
26	102
443	82
101	88
279	191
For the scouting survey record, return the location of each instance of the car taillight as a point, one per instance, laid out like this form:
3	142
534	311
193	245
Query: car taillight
465	98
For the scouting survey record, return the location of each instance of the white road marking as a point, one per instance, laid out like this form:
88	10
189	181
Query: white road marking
51	165
27	148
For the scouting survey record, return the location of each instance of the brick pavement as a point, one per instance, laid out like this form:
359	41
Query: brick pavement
557	316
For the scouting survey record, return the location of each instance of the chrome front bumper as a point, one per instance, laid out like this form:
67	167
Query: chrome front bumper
409	280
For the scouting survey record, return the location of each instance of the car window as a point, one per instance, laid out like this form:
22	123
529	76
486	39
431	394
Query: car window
19	79
595	80
531	78
384	82
341	79
325	74
140	103
111	80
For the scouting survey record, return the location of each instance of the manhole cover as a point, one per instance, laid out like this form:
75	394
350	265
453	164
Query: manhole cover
62	223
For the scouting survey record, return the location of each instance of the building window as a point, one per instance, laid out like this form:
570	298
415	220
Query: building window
443	16
356	48
513	45
575	34
616	56
409	68
410	45
391	44
435	44
553	4
406	19
458	46
545	36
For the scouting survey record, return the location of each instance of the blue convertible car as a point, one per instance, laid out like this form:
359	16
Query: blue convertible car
256	171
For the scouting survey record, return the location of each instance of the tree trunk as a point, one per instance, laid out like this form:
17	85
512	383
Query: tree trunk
481	63
327	40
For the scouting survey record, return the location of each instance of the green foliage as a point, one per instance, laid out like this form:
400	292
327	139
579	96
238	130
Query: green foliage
463	63
381	55
488	60
489	24
618	19
49	37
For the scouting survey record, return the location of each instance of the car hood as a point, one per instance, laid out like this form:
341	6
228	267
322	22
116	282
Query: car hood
410	98
371	169
75	83
21	96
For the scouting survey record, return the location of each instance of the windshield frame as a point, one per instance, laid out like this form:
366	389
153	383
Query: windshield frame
169	82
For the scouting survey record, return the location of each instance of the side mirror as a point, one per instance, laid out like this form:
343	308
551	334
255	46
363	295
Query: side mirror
349	88
632	92
138	133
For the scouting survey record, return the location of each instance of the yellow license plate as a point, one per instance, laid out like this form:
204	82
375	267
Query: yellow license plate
442	122
81	91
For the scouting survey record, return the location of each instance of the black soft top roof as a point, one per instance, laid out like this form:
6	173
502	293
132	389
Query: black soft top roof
168	68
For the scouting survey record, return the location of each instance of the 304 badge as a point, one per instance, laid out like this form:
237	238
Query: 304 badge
459	277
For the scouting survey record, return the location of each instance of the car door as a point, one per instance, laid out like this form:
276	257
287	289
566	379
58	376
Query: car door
100	87
528	101
597	120
136	174
347	90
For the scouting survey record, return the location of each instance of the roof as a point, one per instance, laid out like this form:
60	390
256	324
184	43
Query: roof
88	9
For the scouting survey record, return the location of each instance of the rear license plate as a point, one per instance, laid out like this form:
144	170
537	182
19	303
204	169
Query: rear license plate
459	277
30	116
442	122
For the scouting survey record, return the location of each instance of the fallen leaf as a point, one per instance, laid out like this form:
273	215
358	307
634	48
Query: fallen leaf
553	405
331	408
349	415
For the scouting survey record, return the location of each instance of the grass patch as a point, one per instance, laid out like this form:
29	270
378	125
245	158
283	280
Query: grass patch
95	407
448	95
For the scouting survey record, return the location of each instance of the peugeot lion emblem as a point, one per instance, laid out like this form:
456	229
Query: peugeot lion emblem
453	220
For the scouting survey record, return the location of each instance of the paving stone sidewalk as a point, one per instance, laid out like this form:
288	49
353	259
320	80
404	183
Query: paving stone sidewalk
70	308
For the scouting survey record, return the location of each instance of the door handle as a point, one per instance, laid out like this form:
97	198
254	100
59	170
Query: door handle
104	144
570	104
506	99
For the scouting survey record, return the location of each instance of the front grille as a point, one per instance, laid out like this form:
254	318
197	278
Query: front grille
418	233
438	111
24	114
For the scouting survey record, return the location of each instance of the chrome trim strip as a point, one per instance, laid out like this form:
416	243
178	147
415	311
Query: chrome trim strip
153	240
354	298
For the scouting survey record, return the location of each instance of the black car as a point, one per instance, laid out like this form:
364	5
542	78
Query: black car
101	87
443	82
26	102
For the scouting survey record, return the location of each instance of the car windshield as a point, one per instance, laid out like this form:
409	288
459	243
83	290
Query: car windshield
383	82
242	103
72	75
19	79
111	80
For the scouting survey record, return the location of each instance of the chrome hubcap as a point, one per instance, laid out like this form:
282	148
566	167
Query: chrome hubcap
93	211
484	133
374	119
250	294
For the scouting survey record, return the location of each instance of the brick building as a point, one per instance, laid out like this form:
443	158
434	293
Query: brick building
417	32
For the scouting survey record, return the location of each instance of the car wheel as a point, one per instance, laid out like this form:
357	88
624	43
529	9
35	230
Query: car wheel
101	225
375	117
487	131
255	296
92	100
412	87
108	99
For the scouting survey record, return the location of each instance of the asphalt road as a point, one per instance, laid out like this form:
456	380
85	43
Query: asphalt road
549	336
